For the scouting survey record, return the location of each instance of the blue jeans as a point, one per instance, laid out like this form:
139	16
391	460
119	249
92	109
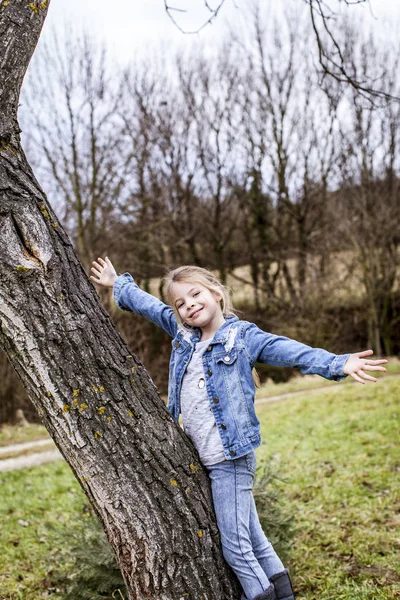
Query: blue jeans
244	545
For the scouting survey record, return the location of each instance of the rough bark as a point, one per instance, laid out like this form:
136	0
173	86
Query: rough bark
134	463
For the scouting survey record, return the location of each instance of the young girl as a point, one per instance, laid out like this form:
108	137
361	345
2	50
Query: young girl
211	385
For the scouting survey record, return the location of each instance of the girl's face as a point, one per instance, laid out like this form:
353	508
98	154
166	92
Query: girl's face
198	306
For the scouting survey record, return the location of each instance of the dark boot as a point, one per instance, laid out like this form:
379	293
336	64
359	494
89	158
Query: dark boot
268	594
283	586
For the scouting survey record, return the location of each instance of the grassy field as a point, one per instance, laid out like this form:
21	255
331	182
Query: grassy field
19	435
339	450
41	510
339	456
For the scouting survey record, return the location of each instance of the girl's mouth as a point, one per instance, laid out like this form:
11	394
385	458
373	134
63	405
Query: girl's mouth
196	312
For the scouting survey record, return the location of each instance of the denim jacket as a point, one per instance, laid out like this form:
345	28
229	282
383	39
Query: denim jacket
228	363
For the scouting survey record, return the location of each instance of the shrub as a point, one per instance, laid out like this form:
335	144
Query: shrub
276	520
93	573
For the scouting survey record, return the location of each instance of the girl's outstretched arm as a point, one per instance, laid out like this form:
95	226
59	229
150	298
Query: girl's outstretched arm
284	352
357	364
128	296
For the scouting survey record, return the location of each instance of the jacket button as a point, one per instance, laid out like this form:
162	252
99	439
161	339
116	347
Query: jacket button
177	344
227	358
209	348
215	400
232	453
209	372
223	425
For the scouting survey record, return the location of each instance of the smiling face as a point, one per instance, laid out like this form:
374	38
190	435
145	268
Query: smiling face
198	306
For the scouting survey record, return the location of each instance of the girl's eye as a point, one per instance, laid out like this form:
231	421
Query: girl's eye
196	294
178	306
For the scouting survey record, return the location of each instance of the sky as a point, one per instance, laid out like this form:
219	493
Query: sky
129	27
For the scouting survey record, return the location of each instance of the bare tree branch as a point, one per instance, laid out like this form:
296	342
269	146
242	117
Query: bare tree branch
213	14
330	53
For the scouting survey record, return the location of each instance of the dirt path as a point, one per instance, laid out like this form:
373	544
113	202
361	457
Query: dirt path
30	460
25	446
39	458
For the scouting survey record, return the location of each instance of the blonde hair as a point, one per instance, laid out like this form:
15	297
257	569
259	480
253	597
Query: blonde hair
192	273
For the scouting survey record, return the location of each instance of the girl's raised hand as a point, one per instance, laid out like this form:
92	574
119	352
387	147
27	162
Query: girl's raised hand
103	272
357	364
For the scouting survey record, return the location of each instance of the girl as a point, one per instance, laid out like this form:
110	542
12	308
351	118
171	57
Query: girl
211	385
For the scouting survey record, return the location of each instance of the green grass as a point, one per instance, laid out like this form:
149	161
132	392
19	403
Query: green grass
40	509
339	453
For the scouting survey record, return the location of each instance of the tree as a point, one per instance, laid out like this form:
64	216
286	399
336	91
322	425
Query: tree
369	198
331	50
134	463
287	124
77	132
212	108
333	56
163	202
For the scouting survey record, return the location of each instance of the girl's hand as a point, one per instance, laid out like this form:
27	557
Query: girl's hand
103	272
357	364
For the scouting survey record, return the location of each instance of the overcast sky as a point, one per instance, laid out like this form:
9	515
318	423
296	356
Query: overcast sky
129	27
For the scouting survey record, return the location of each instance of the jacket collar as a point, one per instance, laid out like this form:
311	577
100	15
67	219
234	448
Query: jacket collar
221	335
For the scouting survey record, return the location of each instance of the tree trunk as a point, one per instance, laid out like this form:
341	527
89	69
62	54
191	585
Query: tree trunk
134	463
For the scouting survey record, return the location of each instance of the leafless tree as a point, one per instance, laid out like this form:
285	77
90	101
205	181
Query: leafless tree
287	124
159	128
210	92
75	129
333	54
143	227
370	192
327	21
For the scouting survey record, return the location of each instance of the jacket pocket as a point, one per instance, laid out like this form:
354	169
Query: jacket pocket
226	358
179	346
